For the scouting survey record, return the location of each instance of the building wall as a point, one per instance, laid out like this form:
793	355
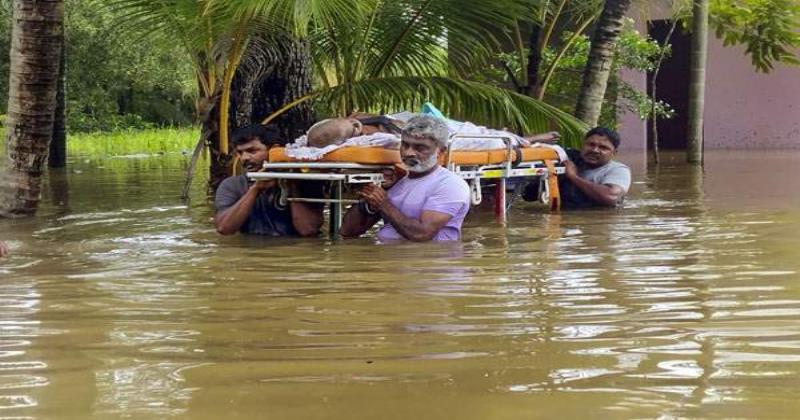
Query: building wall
745	109
633	129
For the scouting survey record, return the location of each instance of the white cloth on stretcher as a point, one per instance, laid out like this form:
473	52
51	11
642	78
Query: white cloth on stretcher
301	151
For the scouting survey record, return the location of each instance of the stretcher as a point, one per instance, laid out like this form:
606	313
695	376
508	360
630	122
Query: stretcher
351	166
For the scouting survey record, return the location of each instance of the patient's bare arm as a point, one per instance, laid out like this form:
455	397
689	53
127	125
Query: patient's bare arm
549	137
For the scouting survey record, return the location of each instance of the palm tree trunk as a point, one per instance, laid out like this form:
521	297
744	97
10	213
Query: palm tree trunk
697	82
58	145
244	84
291	79
37	40
601	57
219	163
534	61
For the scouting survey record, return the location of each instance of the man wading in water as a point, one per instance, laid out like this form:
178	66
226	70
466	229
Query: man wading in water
592	177
430	203
253	207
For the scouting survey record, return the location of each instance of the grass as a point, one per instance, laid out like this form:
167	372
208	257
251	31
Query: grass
133	142
128	142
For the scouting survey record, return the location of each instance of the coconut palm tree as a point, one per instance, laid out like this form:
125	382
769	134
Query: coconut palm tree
37	41
601	56
218	36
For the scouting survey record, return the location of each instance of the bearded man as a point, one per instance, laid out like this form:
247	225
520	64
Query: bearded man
428	203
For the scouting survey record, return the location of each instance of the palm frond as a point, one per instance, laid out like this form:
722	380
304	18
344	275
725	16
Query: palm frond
300	15
418	37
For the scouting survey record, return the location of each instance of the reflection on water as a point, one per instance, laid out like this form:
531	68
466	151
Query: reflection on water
118	301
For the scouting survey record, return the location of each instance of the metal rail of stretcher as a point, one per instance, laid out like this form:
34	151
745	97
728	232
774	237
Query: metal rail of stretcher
341	173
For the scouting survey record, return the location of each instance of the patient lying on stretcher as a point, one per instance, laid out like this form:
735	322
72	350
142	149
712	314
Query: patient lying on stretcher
383	131
338	130
334	131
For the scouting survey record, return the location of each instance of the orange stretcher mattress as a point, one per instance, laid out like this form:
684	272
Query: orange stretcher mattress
362	155
381	156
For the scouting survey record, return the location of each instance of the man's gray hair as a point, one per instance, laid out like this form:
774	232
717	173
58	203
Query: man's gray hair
427	126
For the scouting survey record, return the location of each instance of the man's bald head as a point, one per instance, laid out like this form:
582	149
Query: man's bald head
333	131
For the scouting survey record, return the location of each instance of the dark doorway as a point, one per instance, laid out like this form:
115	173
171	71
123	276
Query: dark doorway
672	85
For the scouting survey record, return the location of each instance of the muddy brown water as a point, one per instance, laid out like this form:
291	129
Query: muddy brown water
120	302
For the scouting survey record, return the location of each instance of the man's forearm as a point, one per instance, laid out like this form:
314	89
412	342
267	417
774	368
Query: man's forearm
231	220
306	218
356	222
409	228
603	194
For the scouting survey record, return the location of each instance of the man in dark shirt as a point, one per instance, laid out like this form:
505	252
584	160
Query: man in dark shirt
253	207
593	178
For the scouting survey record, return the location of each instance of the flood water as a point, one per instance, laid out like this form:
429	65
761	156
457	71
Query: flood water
120	302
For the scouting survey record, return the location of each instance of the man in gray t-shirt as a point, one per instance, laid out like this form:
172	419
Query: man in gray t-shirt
595	180
253	207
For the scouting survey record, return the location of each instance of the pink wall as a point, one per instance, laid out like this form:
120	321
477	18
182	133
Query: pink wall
744	109
633	129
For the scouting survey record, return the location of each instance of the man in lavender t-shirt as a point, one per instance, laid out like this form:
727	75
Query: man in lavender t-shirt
430	203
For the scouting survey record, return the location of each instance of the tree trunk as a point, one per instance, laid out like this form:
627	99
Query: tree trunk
58	145
535	47
601	57
219	163
241	109
36	43
697	81
290	80
653	90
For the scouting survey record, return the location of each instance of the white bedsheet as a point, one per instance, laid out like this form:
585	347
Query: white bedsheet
467	129
300	149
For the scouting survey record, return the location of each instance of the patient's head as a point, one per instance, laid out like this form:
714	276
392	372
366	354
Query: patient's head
333	131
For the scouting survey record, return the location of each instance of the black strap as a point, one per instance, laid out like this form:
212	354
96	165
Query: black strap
517	156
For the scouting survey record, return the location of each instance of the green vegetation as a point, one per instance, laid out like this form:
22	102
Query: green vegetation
130	142
768	29
127	142
401	62
634	51
114	81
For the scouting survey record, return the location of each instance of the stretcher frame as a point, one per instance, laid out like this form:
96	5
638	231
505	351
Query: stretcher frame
344	173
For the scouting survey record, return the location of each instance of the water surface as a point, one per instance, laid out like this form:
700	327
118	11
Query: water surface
120	301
